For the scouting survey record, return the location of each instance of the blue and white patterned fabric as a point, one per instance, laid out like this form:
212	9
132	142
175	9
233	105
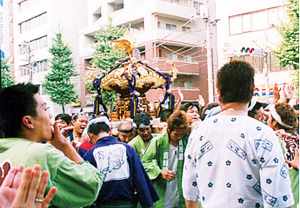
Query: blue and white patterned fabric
235	161
122	172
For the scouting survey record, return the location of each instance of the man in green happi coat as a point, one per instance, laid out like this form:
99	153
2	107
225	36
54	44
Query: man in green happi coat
143	125
164	160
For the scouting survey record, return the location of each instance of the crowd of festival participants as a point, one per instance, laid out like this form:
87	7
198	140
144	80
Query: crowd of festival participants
212	155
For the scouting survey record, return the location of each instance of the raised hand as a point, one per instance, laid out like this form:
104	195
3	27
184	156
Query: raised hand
295	162
288	92
201	101
24	191
276	92
160	96
180	95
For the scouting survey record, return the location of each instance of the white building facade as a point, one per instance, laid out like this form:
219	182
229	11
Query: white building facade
164	30
247	31
35	24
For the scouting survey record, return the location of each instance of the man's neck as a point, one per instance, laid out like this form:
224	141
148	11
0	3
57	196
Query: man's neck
76	134
234	108
102	134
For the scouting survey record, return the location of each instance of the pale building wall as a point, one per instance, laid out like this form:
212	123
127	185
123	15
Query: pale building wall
264	39
63	16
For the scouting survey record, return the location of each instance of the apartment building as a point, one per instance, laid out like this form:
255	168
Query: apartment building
164	30
6	31
247	31
35	24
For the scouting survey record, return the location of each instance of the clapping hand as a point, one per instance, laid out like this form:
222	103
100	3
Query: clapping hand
23	191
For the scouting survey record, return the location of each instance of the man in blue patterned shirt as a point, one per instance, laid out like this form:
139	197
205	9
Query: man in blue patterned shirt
125	181
233	160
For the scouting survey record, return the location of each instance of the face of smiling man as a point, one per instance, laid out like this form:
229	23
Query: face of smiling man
80	124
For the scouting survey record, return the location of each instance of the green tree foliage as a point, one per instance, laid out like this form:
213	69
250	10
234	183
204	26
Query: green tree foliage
105	58
288	50
57	83
6	78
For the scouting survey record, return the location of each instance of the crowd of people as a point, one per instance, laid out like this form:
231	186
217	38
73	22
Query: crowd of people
237	152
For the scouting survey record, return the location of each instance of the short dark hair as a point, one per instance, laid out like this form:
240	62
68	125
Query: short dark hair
64	116
99	127
17	101
178	120
165	114
288	116
254	110
185	107
76	115
142	118
235	81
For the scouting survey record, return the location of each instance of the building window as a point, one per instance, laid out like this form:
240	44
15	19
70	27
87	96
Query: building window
36	67
260	20
35	45
175	84
254	21
172	56
170	27
42	90
185	29
235	24
187	84
258	62
197	5
187	58
33	22
26	4
246	22
274	63
117	7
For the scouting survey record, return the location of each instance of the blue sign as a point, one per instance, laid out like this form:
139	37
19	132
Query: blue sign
2	54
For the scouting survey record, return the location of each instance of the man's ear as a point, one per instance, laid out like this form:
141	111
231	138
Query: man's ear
28	122
218	95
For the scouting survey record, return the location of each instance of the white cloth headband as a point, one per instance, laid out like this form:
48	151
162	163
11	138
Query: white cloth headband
277	117
142	125
101	119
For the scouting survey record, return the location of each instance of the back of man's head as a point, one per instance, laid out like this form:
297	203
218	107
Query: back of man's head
98	125
16	102
165	114
178	120
235	82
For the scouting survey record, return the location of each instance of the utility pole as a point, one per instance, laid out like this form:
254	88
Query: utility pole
204	14
266	69
209	63
26	45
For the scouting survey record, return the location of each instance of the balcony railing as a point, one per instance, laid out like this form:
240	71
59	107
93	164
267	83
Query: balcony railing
181	2
177	60
185	88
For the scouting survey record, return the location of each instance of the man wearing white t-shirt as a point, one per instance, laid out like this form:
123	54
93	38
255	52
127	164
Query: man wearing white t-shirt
231	159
